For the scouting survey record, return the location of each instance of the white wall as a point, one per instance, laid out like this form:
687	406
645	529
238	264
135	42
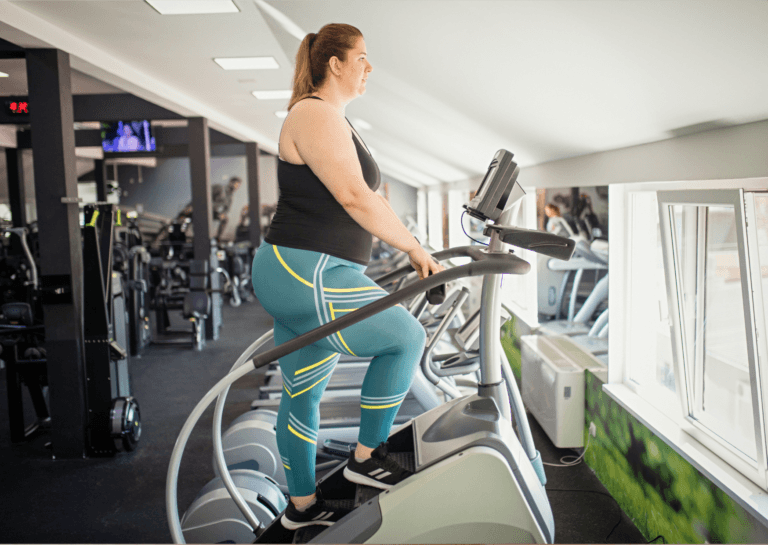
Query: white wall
729	153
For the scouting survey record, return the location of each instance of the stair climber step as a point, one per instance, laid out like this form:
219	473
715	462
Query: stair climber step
307	533
365	493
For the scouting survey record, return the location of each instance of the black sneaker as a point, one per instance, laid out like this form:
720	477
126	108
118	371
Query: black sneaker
379	471
322	512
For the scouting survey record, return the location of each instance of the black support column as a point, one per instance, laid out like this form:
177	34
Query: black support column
202	215
100	175
200	172
61	259
16	193
254	202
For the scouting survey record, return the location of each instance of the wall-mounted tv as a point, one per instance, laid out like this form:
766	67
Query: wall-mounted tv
127	136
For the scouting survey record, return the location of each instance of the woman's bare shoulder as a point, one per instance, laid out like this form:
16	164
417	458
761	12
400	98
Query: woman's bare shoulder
311	111
312	116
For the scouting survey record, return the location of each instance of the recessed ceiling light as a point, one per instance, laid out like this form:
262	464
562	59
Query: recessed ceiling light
359	123
3	75
247	63
272	95
282	114
192	7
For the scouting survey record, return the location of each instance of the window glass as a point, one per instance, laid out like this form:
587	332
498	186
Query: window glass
761	216
714	339
519	290
650	346
435	220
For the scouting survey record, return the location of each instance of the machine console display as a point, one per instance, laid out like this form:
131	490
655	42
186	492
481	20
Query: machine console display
498	188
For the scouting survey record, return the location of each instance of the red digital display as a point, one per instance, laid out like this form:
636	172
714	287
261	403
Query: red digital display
19	107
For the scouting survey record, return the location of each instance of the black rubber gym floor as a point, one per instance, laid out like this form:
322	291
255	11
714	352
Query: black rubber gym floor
122	499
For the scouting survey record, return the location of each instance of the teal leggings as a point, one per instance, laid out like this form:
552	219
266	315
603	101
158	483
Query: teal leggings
303	290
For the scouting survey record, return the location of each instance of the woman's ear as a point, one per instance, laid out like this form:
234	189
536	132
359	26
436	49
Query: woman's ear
334	65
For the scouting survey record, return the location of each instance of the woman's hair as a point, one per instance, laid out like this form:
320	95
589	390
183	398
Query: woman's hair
333	40
552	209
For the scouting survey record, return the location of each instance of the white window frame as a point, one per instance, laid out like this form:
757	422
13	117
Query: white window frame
753	469
648	404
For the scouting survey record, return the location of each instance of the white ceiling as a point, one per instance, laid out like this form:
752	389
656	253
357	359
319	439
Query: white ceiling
452	81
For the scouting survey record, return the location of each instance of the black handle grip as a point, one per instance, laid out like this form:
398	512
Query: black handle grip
436	295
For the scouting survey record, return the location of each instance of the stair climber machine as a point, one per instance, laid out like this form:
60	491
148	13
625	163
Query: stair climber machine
474	479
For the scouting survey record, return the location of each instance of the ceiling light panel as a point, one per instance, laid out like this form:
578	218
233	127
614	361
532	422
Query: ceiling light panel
272	95
3	75
247	63
192	7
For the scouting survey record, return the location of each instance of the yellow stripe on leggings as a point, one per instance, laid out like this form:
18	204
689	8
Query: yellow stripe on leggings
297	434
380	406
333	317
346	290
315	364
345	344
315	384
286	467
286	388
311	285
287	268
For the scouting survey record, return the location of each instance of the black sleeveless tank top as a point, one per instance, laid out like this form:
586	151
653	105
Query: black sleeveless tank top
308	217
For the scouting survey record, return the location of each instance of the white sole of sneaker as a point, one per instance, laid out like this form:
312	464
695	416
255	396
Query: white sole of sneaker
362	479
290	525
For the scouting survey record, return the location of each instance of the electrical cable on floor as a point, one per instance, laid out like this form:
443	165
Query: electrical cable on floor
576	462
465	231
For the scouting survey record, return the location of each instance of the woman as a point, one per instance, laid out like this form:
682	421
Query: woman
556	223
310	271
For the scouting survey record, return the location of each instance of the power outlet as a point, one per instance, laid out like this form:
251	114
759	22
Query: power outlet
592	429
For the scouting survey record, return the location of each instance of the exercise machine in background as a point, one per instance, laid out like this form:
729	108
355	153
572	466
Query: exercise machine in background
113	421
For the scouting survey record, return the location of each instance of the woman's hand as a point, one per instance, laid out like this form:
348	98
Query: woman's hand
424	263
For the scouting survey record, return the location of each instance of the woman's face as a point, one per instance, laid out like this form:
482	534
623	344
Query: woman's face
356	69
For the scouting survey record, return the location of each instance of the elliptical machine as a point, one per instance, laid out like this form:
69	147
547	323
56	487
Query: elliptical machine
468	443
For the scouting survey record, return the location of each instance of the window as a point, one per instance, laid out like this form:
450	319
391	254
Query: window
649	354
434	220
421	214
712	254
519	291
456	199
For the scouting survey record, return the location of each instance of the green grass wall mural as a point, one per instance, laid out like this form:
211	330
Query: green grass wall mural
658	489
